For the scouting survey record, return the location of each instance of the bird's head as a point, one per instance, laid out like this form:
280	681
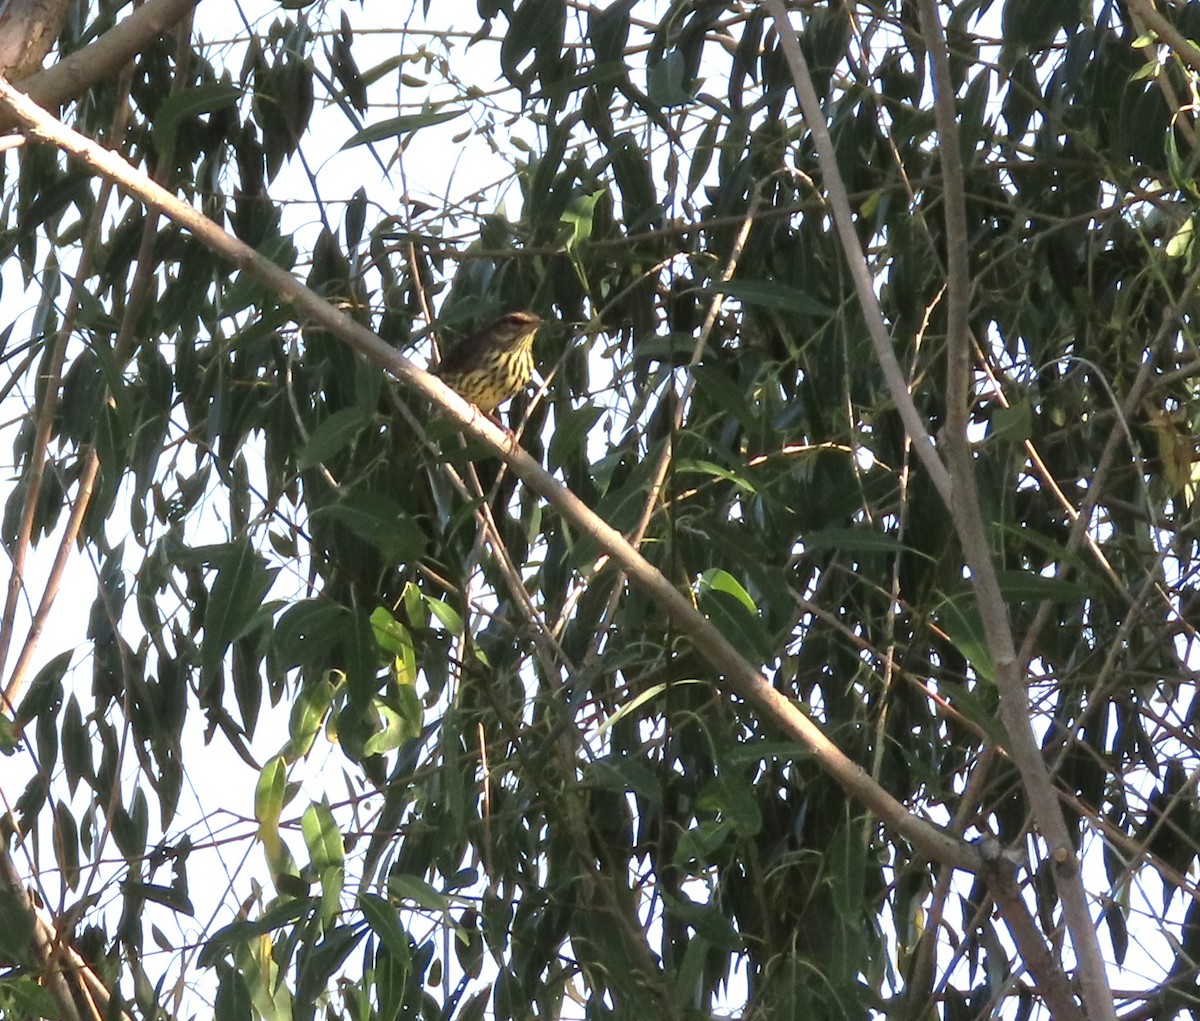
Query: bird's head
516	327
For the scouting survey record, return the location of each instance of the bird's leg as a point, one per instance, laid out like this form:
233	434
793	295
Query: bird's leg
496	420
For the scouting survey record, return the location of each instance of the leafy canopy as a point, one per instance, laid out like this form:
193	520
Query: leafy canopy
349	722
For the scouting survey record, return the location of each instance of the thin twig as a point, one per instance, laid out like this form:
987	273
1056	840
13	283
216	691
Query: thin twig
83	499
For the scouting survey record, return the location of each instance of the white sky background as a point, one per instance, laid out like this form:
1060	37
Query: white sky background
434	169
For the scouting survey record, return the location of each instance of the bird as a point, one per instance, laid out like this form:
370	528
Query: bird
492	364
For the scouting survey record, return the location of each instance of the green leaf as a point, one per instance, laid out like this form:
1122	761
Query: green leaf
45	691
569	439
400	719
233	1001
269	797
186	104
243	931
1013	424
773	295
702	154
716	386
608	29
533	26
699	846
730	794
327	855
978	705
848	870
66	843
73	187
10	741
859	540
235	603
722	581
1053	551
631	168
391	981
307	630
449	617
578	218
406	888
711	923
627	773
729	606
1034	23
959	618
665	81
318	964
173	897
635	703
702	467
269	792
1025	586
26	998
246	289
599	75
1182	240
396	126
384	919
336	432
382	522
307	716
396	641
130	828
16	926
323	837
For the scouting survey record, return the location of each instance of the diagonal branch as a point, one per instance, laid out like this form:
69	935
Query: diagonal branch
968	521
740	677
658	480
101	60
954	477
1186	50
58	962
39	458
843	221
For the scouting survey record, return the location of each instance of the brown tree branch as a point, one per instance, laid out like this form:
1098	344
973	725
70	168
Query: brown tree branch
968	519
1184	48
954	479
1052	983
57	960
102	60
843	221
740	677
83	499
28	29
50	380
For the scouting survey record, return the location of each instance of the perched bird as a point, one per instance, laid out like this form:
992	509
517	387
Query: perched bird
493	364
